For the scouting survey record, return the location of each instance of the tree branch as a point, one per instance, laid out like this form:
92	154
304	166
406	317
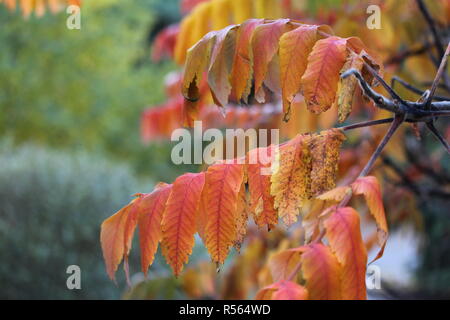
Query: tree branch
398	120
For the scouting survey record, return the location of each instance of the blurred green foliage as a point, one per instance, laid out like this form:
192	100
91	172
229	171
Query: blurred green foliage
53	203
85	89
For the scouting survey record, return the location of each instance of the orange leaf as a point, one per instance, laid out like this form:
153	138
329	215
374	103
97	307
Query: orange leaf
295	47
241	217
370	57
202	214
335	194
265	46
283	290
241	73
220	65
284	263
291	178
370	188
321	271
223	183
178	223
321	77
344	236
116	234
151	207
261	201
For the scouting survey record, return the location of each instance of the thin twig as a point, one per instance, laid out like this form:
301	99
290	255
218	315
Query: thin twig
438	76
377	98
414	89
413	109
437	40
366	124
432	128
391	91
426	14
398	120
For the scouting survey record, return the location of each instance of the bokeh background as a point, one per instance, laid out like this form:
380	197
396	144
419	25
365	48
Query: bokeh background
71	154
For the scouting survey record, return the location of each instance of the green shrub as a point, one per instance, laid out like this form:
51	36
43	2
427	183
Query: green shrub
52	205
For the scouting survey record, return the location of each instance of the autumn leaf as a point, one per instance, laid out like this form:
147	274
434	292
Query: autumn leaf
116	235
242	213
283	290
202	214
320	80
335	194
151	207
311	211
221	64
261	201
322	273
291	178
180	215
282	56
324	148
347	86
283	264
265	46
295	47
223	183
242	70
369	57
370	188
196	62
345	240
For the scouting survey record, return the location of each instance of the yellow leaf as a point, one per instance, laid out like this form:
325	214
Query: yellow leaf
291	178
325	149
347	86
